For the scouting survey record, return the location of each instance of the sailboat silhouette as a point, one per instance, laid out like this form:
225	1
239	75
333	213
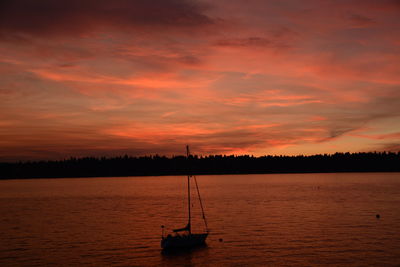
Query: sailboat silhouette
183	237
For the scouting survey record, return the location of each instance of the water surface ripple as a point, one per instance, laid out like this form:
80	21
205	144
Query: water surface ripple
276	219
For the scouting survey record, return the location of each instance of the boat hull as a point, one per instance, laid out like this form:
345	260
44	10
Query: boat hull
183	241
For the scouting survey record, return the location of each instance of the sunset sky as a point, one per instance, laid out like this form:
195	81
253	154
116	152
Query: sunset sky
107	78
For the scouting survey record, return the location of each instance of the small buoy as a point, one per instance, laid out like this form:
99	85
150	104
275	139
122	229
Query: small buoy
220	240
377	216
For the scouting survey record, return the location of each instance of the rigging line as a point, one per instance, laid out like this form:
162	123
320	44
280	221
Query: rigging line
201	203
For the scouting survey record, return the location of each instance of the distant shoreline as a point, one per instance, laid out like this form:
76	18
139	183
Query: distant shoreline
197	174
210	165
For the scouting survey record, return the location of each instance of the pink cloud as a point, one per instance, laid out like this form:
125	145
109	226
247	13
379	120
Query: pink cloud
389	136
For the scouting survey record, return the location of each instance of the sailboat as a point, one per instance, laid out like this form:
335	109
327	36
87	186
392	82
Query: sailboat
184	237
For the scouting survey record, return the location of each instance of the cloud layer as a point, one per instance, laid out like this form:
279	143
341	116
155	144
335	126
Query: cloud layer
144	77
76	18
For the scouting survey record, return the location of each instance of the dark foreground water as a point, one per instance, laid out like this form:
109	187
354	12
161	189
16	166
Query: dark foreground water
280	220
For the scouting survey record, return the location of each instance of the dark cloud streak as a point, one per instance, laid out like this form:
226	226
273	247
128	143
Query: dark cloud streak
250	41
74	17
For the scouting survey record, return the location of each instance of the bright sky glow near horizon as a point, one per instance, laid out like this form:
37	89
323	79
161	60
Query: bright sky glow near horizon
140	77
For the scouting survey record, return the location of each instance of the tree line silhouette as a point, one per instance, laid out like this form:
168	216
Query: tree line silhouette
214	164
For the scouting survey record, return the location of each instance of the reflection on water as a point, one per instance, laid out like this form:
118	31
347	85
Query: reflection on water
285	219
185	257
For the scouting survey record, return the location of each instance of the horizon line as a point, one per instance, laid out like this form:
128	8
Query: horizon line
192	155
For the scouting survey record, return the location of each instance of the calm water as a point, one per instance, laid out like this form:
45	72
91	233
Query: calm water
289	219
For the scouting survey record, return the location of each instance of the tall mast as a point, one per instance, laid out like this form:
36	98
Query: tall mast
187	158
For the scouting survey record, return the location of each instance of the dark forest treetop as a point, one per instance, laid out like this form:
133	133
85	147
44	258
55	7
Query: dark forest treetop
214	164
